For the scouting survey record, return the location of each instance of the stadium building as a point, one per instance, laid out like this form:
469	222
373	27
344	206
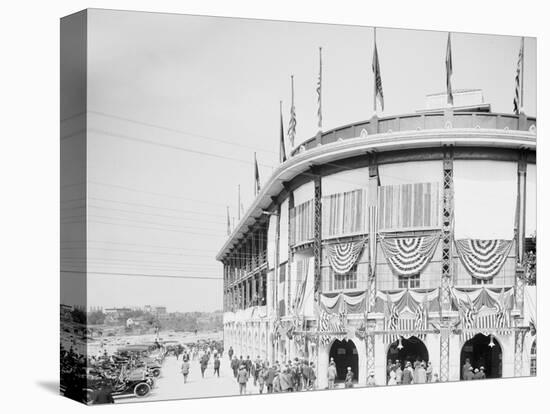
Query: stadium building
397	238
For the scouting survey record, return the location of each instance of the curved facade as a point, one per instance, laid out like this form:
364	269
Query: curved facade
397	238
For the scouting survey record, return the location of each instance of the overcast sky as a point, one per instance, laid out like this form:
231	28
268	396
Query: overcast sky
178	105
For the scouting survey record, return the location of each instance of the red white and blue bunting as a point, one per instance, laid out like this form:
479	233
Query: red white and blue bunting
406	311
483	259
407	256
483	310
331	326
343	256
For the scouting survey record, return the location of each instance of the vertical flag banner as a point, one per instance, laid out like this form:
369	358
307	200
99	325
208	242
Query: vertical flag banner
256	176
292	122
282	151
228	222
319	90
449	69
518	96
378	92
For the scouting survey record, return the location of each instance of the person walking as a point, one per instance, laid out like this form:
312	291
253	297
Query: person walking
393	378
370	380
185	369
407	374
331	375
235	366
398	374
429	372
348	382
230	353
242	379
261	378
420	374
204	364
465	368
269	378
217	366
285	379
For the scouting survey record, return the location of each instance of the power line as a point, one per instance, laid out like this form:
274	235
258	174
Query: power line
178	131
142	275
136	190
175	147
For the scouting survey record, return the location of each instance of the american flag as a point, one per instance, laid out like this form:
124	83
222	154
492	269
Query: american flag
282	151
292	122
378	92
319	83
449	67
228	222
519	84
256	176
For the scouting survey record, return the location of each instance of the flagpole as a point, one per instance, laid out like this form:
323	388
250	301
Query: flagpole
255	179
320	114
374	83
239	202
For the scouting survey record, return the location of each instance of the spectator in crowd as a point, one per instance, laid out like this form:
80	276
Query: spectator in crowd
185	369
242	379
217	366
348	382
331	375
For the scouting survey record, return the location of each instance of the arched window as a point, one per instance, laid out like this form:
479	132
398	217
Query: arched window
533	359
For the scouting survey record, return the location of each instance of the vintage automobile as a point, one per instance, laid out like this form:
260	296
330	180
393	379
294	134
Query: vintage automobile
136	382
144	356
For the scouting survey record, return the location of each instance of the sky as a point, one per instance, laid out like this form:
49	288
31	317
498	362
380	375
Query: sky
177	106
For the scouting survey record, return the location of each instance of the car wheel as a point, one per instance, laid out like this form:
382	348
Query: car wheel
142	389
156	372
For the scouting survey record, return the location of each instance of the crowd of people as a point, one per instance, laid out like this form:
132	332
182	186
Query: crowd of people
297	375
471	373
407	372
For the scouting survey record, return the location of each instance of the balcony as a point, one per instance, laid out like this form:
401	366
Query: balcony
419	122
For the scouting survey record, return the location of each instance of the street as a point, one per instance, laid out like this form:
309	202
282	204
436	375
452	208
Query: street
170	384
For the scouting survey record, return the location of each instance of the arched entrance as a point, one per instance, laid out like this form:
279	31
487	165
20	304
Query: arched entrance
408	349
482	351
345	355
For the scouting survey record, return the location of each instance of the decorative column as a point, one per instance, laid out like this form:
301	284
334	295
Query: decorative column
446	262
444	340
369	343
520	234
518	352
317	237
372	212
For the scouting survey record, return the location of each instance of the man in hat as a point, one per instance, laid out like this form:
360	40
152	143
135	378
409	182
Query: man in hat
348	383
331	375
469	374
482	372
407	374
370	379
466	367
242	379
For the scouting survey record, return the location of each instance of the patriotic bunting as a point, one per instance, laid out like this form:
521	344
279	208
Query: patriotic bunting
407	256
483	310
330	326
342	256
406	310
353	303
483	259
